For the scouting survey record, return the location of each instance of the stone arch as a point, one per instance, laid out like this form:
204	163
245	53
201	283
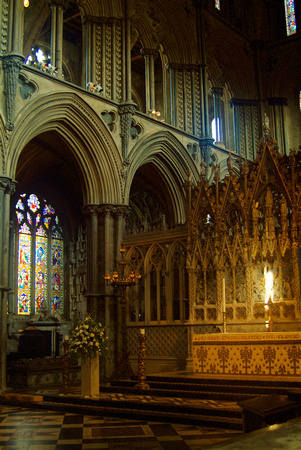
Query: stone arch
154	18
72	118
171	251
229	62
171	160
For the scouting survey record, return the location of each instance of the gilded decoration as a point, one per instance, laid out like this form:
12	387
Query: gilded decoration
262	354
243	243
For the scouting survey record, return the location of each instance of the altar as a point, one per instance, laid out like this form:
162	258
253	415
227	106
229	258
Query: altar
259	354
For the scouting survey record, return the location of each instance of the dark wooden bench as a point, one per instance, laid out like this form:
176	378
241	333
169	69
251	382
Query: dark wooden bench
259	412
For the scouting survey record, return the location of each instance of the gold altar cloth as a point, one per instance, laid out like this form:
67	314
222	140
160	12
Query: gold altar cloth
260	354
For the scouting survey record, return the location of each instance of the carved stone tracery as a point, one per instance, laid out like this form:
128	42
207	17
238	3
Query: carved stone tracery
241	229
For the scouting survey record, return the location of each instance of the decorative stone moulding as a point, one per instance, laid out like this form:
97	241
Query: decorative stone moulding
110	118
27	87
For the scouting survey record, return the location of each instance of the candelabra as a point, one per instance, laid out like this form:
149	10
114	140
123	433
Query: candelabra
141	363
120	281
66	365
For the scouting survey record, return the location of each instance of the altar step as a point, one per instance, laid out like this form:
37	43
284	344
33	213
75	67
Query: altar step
148	407
203	388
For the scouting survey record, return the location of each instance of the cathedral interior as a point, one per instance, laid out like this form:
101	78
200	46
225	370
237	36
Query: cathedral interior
161	141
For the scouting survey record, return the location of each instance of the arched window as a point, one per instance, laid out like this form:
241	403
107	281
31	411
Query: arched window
155	286
290	17
179	283
40	249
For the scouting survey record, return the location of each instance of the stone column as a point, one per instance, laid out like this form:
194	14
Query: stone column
185	97
277	111
58	7
92	258
7	187
14	29
12	64
246	126
201	41
89	56
217	93
126	112
149	56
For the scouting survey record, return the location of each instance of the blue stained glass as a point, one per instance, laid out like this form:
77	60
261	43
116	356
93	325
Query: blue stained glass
48	210
291	26
20	205
38	219
35	270
20	216
33	202
46	221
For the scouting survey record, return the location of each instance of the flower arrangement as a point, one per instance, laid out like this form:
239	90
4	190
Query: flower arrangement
88	338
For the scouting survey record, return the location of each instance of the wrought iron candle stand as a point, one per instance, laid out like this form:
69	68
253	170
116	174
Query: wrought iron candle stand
66	365
141	364
120	281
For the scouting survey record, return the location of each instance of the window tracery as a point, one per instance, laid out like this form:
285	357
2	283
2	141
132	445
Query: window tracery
40	251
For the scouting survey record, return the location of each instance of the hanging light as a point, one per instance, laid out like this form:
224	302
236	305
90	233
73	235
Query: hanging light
26	3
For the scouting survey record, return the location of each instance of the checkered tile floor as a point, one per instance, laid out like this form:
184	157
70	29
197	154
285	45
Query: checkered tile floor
29	429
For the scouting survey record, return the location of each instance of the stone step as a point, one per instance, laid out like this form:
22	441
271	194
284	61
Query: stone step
197	394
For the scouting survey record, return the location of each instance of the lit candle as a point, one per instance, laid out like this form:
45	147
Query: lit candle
66	337
142	331
224	295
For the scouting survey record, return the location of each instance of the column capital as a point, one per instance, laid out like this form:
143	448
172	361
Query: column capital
277	101
58	3
182	67
91	210
216	91
149	52
243	102
122	210
7	185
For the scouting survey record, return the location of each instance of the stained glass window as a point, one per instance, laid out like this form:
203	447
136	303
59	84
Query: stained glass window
40	256
218	4
291	27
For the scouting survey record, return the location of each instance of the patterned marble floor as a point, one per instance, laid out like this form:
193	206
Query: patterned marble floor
30	429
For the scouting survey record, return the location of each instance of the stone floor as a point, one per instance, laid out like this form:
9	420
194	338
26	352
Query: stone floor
22	428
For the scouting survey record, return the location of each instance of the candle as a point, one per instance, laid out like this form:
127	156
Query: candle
224	295
66	337
142	331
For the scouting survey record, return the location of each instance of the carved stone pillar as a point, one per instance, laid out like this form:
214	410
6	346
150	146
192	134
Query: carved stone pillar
149	56
102	62
126	112
13	27
206	150
12	64
203	74
277	112
246	126
185	97
217	93
58	7
93	293
7	187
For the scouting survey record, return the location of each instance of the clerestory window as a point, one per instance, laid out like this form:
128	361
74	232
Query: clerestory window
290	17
